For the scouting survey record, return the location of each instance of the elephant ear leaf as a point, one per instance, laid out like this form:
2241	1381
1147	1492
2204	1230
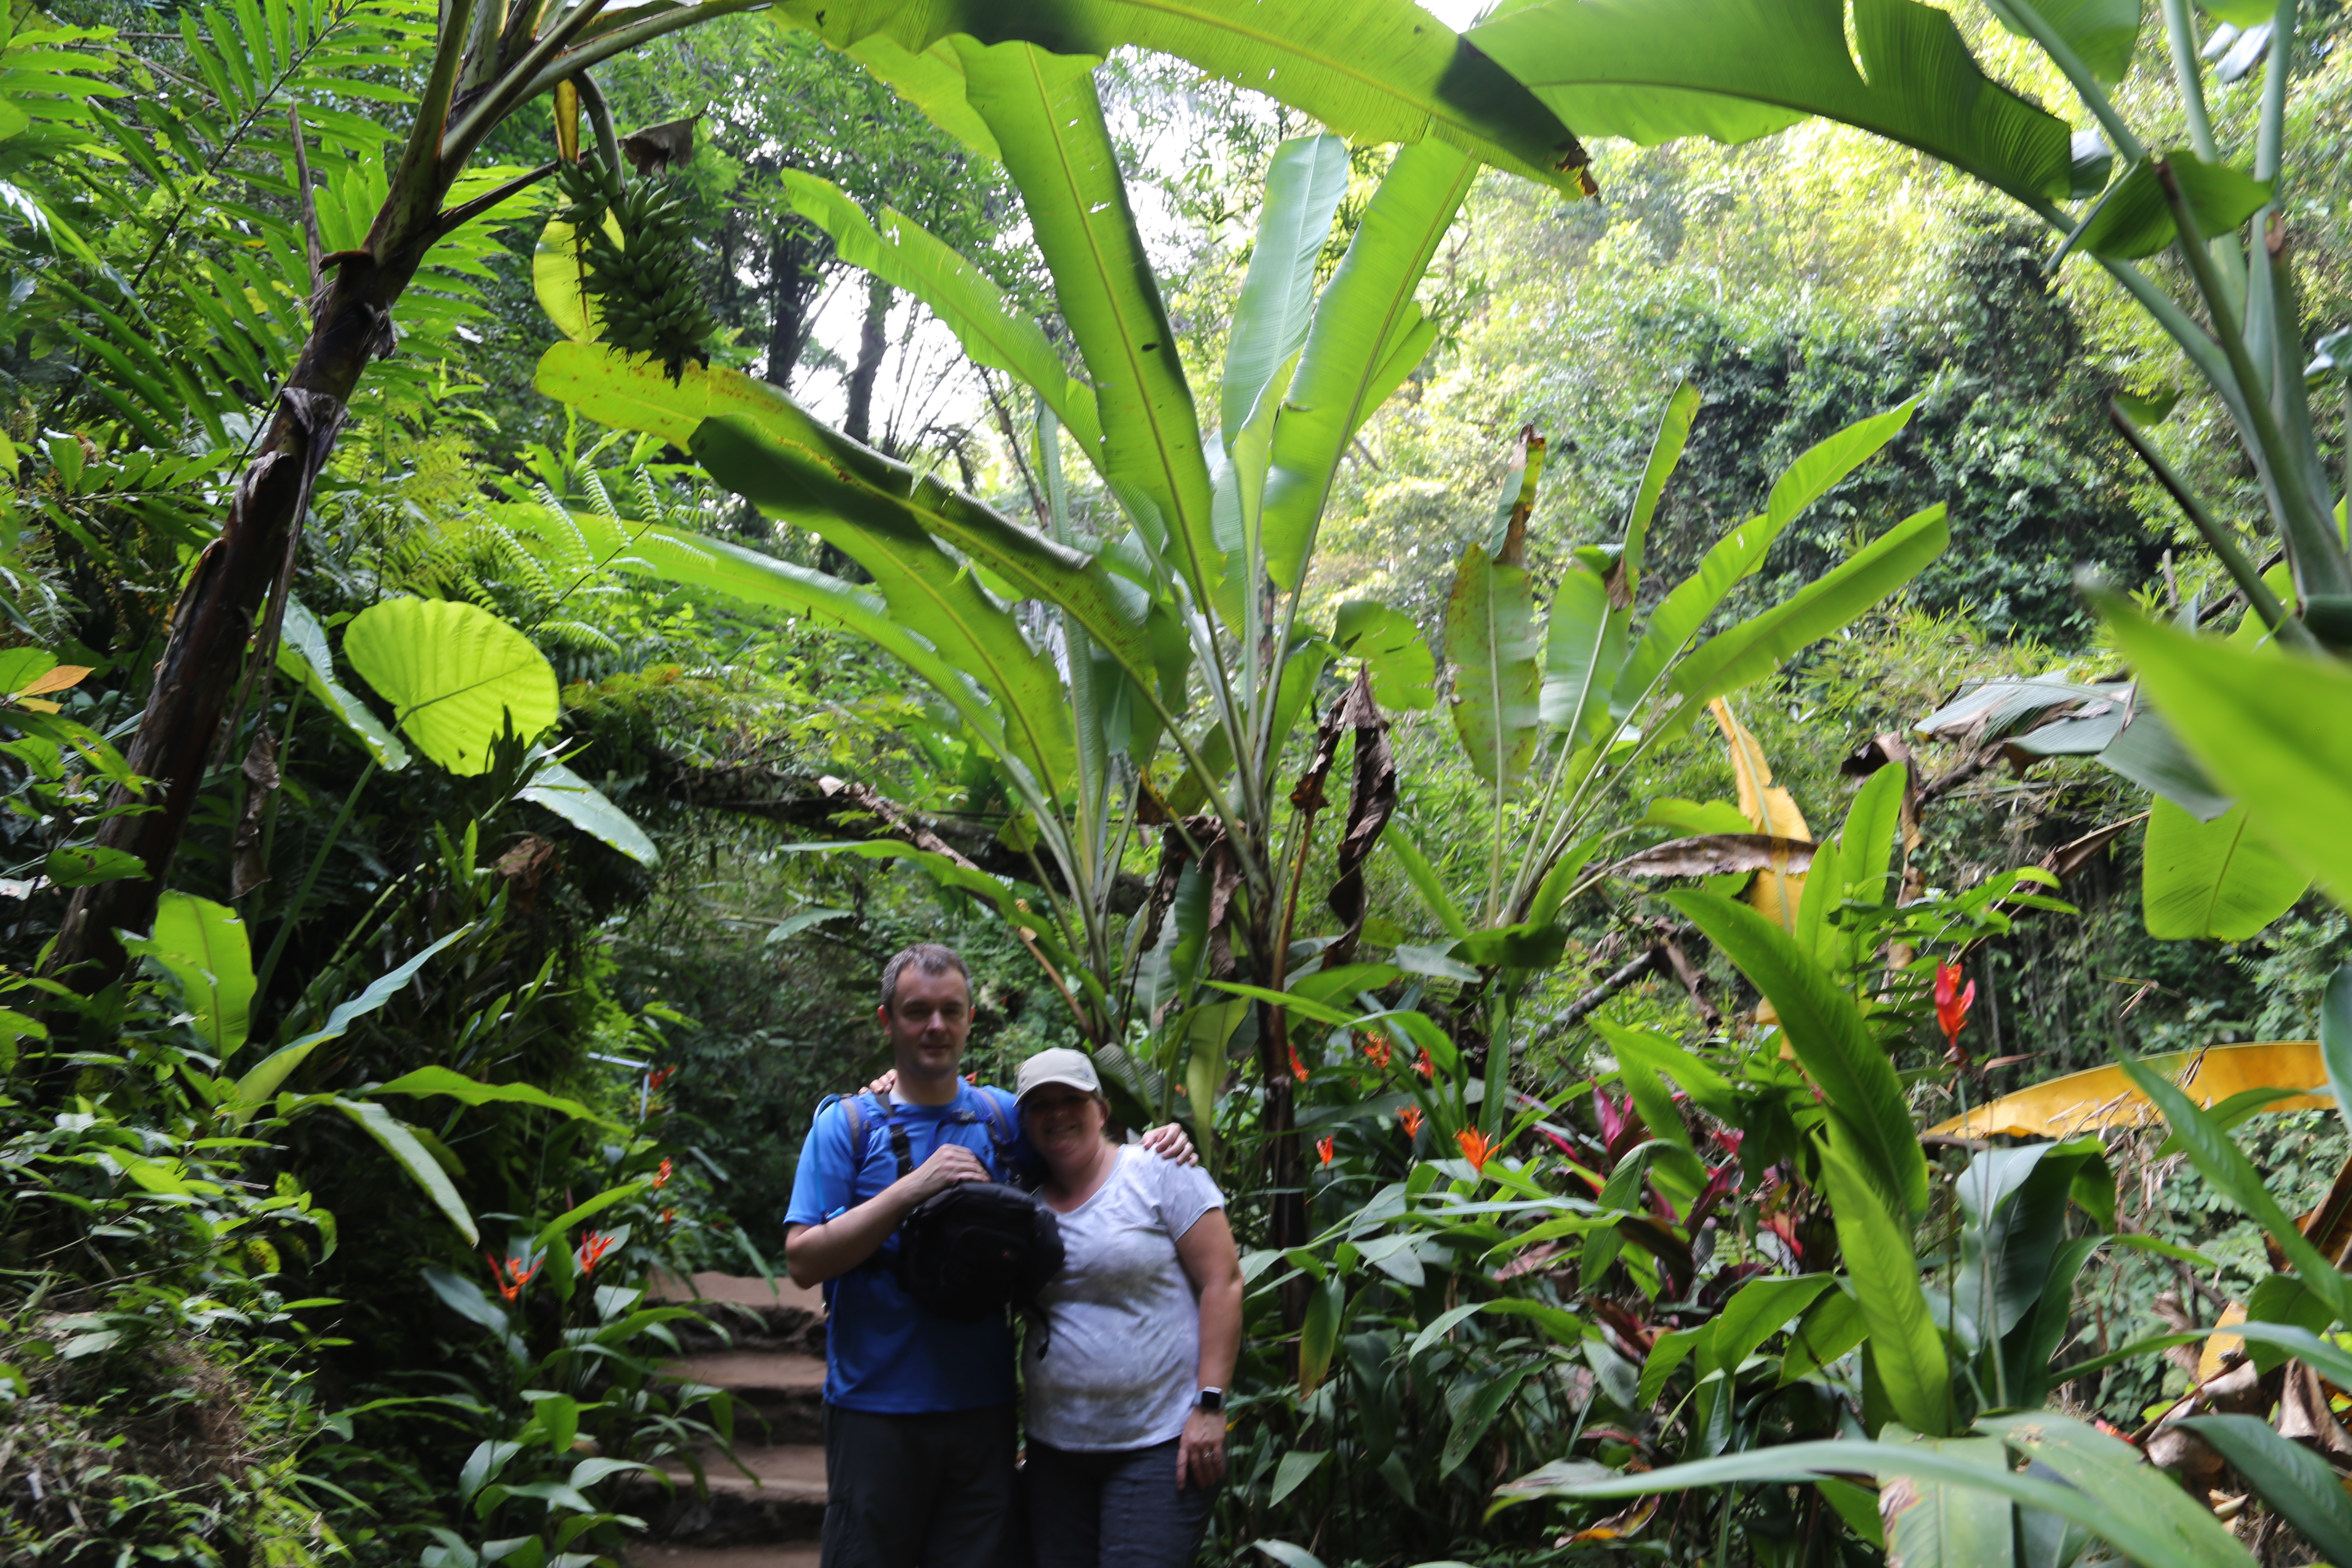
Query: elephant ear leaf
457	675
2212	879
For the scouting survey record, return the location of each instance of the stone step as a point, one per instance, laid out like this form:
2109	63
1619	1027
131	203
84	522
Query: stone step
671	1554
785	1391
781	1500
755	1314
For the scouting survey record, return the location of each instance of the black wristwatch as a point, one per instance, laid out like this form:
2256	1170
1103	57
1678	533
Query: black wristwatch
1212	1400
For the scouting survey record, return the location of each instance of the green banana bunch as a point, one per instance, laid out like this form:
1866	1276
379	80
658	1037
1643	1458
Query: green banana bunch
643	283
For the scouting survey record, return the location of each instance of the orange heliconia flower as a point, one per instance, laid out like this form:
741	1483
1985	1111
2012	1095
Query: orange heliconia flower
1952	1004
1424	1067
513	1277
1409	1118
593	1249
1325	1146
1474	1147
663	1175
1376	1048
1297	1067
667	1216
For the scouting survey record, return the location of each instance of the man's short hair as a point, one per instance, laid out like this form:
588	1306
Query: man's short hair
926	958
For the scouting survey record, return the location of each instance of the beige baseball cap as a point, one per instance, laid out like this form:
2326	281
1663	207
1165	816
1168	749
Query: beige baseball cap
1059	1064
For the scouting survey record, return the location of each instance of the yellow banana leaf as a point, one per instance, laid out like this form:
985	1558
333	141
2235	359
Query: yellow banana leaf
1774	893
2104	1097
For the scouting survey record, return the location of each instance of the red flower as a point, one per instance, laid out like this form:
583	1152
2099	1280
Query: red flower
663	1175
1474	1147
1409	1118
1377	1049
1424	1067
1324	1146
1297	1067
972	1078
667	1216
660	1076
593	1250
513	1277
1952	1005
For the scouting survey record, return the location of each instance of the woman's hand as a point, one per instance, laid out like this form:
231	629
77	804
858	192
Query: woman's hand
1201	1451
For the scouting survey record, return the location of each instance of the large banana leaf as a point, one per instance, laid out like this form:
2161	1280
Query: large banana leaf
2214	879
1047	119
2268	726
1738	553
2104	1097
1373	70
1491	646
1758	646
1653	70
1578	658
1368	335
1938	1524
814	473
1303	187
923	585
900	251
1831	1041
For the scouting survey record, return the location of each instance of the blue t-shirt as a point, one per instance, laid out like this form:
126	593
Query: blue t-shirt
883	1353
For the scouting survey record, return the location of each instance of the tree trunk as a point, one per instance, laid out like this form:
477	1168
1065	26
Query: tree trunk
212	624
788	294
872	340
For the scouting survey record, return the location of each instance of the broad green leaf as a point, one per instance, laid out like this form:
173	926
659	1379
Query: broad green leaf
1708	1090
2267	726
2118	1514
1867	843
1491	650
1577	663
2211	879
2221	1163
2297	1483
302	654
2014	1203
823	480
1941	1524
399	1139
900	251
930	78
470	1091
2336	1035
2126	1487
203	946
263	1081
1655	71
1049	122
1832	1327
1665	451
87	864
1426	881
1303	187
1325	1302
1477	1415
2134	219
1831	1041
1296	1465
1758	1309
555	279
1402	669
587	809
1876	1243
1372	71
1761	644
1738	553
457	676
1365	326
2102	32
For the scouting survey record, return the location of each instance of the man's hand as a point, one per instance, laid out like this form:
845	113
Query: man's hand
1201	1451
948	1164
881	1086
1170	1143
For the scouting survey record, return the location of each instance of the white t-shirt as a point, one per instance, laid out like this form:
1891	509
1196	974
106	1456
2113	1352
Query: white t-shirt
1119	1367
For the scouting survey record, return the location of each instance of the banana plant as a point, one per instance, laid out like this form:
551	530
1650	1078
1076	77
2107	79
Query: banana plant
2262	721
1076	652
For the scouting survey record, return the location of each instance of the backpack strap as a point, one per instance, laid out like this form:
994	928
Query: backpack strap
899	1150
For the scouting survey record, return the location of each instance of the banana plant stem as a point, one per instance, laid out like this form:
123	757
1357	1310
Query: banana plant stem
2181	32
2233	559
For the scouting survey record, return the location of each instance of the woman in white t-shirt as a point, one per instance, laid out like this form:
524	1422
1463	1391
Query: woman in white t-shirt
1126	1389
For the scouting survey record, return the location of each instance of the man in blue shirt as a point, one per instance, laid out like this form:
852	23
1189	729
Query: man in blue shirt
919	1423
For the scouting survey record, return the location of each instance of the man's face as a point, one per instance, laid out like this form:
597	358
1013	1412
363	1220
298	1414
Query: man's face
928	1020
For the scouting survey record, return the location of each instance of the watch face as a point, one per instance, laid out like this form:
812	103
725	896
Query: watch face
1209	1399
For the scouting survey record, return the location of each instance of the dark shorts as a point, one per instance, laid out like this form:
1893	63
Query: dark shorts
1120	1509
919	1491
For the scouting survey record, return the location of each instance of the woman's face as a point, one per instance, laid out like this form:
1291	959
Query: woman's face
1064	1124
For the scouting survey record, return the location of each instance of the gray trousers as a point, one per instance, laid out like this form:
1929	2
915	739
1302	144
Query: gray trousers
1112	1510
919	1491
